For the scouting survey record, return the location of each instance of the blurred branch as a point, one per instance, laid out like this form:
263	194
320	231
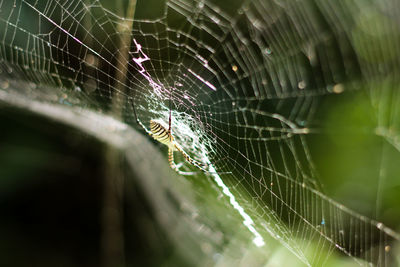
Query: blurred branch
112	236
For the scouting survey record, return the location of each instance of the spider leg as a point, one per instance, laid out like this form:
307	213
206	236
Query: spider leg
138	121
195	163
174	166
170	112
179	165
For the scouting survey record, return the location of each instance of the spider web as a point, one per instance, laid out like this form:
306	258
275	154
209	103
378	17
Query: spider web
244	81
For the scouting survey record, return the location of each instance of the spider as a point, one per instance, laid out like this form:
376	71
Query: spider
164	136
